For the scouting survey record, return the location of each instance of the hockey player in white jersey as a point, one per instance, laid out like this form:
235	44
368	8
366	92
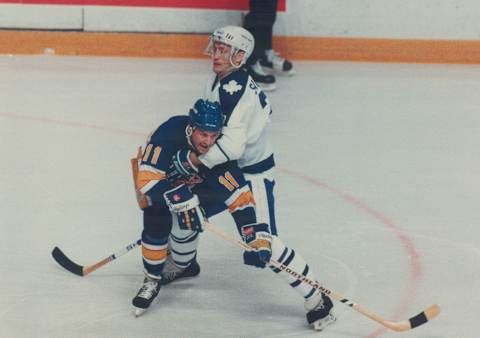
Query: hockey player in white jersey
245	139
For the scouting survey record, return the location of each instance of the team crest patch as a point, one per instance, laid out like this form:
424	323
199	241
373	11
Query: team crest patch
232	87
248	231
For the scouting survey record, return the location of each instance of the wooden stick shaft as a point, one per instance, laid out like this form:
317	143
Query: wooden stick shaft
81	270
423	317
112	257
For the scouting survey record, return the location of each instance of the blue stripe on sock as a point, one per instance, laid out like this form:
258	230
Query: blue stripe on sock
188	239
298	281
183	253
282	256
310	294
289	259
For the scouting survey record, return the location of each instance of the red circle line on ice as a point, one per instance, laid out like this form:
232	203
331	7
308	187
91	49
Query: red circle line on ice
415	265
406	242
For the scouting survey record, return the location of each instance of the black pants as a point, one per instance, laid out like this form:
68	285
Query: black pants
259	21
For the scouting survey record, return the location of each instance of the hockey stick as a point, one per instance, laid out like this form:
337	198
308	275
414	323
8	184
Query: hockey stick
81	270
428	314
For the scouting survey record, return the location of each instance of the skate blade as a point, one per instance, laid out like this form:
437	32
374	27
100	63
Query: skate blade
321	324
139	312
277	72
291	72
267	87
164	282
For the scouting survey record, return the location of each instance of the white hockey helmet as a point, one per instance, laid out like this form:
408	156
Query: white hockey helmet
237	37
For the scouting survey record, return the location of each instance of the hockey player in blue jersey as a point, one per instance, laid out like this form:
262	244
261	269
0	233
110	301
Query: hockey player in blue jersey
176	205
245	139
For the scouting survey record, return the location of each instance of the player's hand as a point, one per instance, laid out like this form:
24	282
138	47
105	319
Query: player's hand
258	237
186	205
190	180
181	168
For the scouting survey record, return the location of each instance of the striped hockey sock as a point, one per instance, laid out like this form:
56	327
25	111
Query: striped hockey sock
295	261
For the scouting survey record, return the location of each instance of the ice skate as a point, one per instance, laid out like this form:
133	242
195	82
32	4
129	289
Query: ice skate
145	296
264	80
273	63
319	314
171	272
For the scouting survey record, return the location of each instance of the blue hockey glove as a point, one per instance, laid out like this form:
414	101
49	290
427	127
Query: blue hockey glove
181	168
258	237
182	202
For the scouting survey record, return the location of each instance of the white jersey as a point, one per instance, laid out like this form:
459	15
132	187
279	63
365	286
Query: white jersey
244	136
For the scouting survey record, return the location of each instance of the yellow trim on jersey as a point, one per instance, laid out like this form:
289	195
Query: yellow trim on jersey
245	199
145	177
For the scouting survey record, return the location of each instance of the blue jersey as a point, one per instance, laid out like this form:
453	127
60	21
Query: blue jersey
218	188
221	185
156	157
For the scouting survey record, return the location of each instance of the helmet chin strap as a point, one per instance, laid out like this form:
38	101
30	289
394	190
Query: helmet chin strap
234	65
188	134
233	52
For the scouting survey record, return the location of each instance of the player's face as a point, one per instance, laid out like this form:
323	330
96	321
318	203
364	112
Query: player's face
222	66
203	140
221	58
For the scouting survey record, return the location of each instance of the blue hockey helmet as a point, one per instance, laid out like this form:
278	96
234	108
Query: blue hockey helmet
207	115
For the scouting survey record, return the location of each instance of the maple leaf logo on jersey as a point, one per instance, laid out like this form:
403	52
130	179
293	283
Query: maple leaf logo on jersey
231	87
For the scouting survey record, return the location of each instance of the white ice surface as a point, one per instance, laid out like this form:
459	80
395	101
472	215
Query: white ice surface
378	187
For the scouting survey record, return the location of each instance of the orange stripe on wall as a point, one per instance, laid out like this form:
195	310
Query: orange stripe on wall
103	44
192	46
380	50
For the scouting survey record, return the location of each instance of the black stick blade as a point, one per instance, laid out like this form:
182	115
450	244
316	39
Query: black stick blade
64	261
425	316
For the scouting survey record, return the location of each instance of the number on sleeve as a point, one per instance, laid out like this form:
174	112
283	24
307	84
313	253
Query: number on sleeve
155	156
228	181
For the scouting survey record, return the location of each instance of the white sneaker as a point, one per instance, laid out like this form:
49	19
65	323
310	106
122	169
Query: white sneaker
274	63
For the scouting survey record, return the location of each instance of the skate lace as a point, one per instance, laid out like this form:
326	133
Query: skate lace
148	289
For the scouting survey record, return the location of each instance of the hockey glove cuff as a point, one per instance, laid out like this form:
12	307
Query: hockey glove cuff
182	202
258	237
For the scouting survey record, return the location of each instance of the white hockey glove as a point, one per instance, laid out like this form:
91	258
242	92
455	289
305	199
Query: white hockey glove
258	237
186	206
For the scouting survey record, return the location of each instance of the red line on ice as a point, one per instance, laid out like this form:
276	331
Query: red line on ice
406	242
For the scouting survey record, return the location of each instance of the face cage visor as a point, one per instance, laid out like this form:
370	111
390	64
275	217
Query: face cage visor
210	50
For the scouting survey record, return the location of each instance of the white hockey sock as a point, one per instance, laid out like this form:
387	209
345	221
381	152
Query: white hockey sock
183	246
294	261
